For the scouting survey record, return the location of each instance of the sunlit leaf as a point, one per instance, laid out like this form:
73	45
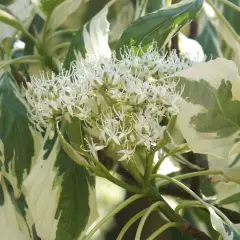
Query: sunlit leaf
160	25
12	224
16	133
47	6
208	119
91	39
227	193
68	190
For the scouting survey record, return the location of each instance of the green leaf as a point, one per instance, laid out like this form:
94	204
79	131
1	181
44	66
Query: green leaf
77	197
232	174
200	219
160	25
209	41
232	15
47	6
75	134
17	136
140	8
60	195
232	199
10	20
6	2
71	151
91	39
154	5
227	232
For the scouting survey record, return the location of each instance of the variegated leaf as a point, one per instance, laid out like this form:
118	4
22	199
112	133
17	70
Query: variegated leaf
209	116
12	224
46	7
18	141
16	15
92	39
60	195
225	231
61	12
160	25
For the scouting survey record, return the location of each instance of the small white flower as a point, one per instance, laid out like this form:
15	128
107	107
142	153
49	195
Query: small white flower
124	101
127	154
93	148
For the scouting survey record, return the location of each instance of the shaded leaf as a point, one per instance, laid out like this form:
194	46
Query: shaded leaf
232	15
209	40
61	12
226	231
47	6
154	5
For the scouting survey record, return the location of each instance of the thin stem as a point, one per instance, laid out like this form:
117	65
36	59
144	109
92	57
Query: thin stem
130	188
187	204
194	195
182	160
185	188
230	4
98	168
172	124
59	46
31	37
224	21
163	228
198	205
24	59
45	30
148	169
173	217
145	216
60	32
160	161
190	175
160	145
224	217
132	169
129	223
111	178
174	151
113	213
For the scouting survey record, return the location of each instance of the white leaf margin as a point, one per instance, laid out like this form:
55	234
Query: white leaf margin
62	12
213	72
42	190
42	194
12	224
96	37
218	225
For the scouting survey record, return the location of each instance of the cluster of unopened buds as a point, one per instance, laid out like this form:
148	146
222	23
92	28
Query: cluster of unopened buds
120	102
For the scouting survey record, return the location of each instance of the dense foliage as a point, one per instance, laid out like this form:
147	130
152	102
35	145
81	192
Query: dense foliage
141	93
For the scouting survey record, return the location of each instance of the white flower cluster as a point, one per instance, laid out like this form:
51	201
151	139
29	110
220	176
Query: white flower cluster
122	101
